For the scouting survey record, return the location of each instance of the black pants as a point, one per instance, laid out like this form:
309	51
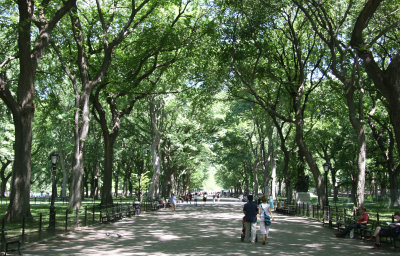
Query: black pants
350	227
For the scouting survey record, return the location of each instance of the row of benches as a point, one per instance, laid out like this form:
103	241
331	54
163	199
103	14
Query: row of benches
118	211
107	214
341	220
335	219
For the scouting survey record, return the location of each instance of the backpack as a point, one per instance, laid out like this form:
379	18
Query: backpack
267	218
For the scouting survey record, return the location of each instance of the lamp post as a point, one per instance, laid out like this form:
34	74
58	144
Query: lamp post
52	221
326	169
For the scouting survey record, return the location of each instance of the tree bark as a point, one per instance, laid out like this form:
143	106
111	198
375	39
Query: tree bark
273	176
64	175
4	177
155	148
358	126
254	165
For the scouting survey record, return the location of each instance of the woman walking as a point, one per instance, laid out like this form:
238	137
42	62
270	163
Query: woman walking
265	218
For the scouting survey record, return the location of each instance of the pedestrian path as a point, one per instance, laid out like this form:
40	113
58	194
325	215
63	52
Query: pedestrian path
211	229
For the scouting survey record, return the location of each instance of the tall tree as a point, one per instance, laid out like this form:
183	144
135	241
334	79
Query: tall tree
93	66
385	72
291	47
110	135
331	29
155	115
44	16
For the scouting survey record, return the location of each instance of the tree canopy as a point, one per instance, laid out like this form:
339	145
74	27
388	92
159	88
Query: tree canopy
147	98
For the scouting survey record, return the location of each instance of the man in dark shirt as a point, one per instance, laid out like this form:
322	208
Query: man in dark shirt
250	210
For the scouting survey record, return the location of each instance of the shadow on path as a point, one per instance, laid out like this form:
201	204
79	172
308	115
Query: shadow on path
203	230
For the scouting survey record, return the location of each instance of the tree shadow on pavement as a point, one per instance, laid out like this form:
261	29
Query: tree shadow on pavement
213	229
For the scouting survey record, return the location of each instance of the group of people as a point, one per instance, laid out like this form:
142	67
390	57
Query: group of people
263	208
251	209
172	200
392	230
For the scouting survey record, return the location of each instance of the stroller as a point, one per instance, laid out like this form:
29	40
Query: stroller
243	235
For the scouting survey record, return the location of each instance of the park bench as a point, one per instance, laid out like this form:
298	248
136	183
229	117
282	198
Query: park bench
362	232
117	212
110	213
394	240
369	230
130	210
104	215
342	219
9	245
156	206
288	209
285	208
336	218
137	208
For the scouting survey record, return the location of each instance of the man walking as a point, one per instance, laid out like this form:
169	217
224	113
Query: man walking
250	210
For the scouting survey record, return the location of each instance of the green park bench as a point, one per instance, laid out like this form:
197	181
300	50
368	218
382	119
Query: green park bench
9	244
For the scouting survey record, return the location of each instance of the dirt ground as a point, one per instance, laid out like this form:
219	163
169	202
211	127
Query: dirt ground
211	229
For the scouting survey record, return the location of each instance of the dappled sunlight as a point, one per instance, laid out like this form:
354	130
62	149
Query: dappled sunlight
201	230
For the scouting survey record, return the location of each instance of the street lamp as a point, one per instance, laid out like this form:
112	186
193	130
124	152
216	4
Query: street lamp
326	166
53	159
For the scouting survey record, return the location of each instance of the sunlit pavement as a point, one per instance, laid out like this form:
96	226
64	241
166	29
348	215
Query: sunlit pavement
211	229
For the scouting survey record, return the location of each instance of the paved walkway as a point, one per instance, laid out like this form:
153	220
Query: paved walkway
202	230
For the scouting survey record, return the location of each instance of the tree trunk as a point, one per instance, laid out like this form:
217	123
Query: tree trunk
273	171
305	152
106	190
81	125
288	189
155	149
85	191
361	156
94	190
4	177
246	180
263	155
23	108
394	188
386	81
19	206
255	177
64	175
116	178
356	117
335	185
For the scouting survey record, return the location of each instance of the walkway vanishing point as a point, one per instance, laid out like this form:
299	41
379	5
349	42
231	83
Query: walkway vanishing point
213	229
